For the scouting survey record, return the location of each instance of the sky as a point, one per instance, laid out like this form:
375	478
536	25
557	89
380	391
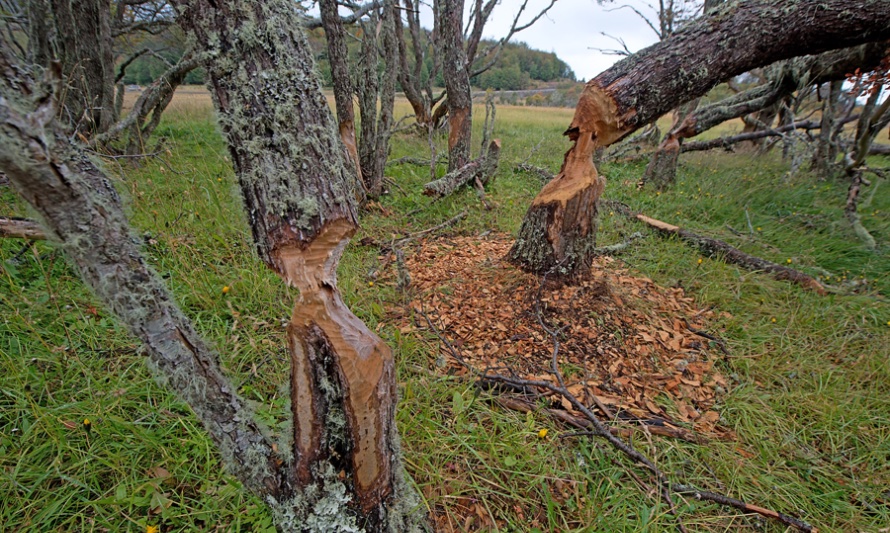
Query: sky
573	29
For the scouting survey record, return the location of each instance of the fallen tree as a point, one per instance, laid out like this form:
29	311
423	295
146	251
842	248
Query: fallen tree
480	170
559	231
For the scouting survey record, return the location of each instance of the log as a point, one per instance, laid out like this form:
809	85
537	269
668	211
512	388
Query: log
483	169
21	228
730	254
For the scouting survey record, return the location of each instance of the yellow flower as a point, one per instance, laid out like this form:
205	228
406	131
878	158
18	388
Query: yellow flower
226	289
773	320
370	284
699	260
542	434
788	261
759	228
151	529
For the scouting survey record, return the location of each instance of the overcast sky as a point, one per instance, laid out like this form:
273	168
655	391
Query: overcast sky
573	28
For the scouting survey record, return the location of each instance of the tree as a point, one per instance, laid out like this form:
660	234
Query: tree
559	229
342	471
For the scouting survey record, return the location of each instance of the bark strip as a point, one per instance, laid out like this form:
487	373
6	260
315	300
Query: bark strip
21	228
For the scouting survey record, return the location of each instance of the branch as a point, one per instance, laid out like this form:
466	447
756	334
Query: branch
80	207
730	254
746	507
357	13
495	51
21	228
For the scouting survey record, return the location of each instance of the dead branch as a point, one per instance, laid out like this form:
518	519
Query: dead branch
482	168
21	228
718	248
540	172
739	504
621	246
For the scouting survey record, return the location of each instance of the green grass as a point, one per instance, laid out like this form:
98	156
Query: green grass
810	375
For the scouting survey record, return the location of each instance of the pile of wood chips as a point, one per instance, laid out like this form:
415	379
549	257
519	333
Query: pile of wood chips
623	338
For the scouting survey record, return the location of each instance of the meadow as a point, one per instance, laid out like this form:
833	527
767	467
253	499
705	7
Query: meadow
89	441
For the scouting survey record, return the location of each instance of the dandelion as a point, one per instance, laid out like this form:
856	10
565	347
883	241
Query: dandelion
759	228
226	289
773	320
542	434
87	425
370	284
788	261
699	260
151	529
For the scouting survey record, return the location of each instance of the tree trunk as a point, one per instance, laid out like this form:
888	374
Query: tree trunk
409	75
481	169
338	55
642	87
80	34
457	84
378	42
825	156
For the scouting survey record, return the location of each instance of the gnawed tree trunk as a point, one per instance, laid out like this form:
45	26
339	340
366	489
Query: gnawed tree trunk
479	170
662	167
457	84
642	87
338	55
300	195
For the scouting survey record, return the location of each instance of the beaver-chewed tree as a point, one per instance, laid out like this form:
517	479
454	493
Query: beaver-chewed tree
341	468
558	233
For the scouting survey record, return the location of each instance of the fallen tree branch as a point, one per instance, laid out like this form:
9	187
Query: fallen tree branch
727	142
21	228
537	171
482	168
730	254
619	247
739	504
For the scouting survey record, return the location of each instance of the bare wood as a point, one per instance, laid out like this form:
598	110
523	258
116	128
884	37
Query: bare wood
482	168
21	228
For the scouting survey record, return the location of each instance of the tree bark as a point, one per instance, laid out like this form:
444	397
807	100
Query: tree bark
338	55
825	155
300	196
642	87
21	228
78	34
457	84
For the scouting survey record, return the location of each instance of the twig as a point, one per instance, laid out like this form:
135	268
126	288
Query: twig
747	507
720	342
619	247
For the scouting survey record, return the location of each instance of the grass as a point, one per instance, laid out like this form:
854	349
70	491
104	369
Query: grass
810	375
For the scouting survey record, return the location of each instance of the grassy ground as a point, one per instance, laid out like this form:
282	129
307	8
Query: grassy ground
810	375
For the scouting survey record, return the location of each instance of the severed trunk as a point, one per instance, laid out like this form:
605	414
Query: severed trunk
457	84
480	170
300	196
338	55
558	230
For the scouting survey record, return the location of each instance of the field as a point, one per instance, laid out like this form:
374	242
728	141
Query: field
808	394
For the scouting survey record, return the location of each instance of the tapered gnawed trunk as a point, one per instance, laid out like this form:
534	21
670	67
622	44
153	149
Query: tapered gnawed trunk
645	86
301	197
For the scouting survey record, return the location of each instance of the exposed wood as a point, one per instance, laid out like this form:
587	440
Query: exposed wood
558	234
301	199
483	169
641	88
722	250
645	86
21	228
